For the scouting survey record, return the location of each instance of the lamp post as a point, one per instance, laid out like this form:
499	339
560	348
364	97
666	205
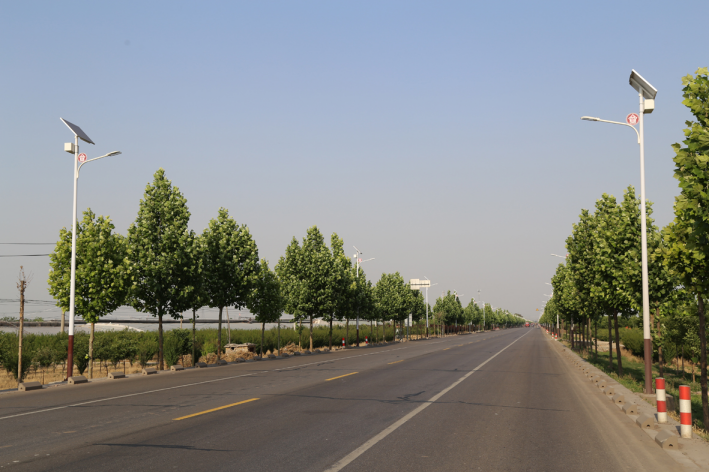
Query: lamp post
430	285
358	260
79	160
646	94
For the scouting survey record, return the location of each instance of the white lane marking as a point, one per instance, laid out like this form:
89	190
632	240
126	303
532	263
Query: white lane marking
198	383
373	441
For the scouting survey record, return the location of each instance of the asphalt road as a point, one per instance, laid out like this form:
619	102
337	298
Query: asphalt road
501	400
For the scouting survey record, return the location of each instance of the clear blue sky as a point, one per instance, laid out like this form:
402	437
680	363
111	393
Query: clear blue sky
441	138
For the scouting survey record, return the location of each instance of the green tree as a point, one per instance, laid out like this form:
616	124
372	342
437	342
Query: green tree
158	254
266	301
195	296
101	284
305	275
616	241
451	308
341	284
230	259
392	296
688	236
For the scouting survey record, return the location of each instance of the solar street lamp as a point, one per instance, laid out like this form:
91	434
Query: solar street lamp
79	160
358	262
646	94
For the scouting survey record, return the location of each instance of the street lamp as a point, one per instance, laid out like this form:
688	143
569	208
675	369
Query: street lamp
646	94
79	160
559	256
429	285
358	260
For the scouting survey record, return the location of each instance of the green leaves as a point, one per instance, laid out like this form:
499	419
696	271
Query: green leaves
266	301
391	295
230	260
158	256
687	238
101	269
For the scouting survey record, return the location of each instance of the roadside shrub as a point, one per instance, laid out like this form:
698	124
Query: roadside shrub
176	343
81	351
633	341
147	347
9	357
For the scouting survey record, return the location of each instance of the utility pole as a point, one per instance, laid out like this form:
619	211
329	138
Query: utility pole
22	286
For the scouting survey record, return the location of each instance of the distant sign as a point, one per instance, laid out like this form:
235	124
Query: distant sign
419	283
632	119
82	158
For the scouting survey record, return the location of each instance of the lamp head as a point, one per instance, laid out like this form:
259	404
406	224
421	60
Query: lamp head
639	83
590	119
114	153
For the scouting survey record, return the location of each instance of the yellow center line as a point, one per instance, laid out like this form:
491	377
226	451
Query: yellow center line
336	377
395	362
447	348
217	408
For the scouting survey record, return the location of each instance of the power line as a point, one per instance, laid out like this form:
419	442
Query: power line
28	243
13	256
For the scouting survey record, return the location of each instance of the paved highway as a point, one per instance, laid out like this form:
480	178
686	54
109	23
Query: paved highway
502	400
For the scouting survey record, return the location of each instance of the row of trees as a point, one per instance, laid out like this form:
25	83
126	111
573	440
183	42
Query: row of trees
448	310
165	269
602	273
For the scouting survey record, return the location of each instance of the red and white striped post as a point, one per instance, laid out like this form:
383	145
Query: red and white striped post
366	340
343	342
661	400
685	412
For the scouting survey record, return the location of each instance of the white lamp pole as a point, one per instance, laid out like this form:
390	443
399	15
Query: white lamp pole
357	261
73	148
646	94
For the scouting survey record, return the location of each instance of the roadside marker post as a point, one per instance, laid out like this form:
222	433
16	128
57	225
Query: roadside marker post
366	340
661	400
343	342
685	412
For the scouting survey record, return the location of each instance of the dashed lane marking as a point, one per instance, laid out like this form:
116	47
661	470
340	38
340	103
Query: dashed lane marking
342	376
216	409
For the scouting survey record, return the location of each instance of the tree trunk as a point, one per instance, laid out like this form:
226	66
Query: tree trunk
371	330
311	333
703	359
91	352
62	324
573	335
610	346
263	330
347	331
617	343
160	352
330	347
219	335
279	336
595	337
194	361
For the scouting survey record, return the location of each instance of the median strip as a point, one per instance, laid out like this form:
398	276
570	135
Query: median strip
337	377
217	409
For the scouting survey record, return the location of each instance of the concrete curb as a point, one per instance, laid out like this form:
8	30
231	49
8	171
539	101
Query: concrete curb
692	454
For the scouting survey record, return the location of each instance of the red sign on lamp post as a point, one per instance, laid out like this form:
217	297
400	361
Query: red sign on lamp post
632	119
82	158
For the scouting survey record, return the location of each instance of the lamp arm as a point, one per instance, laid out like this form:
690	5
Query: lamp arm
621	123
94	159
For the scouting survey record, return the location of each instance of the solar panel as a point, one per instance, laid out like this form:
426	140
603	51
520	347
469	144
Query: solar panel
78	131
